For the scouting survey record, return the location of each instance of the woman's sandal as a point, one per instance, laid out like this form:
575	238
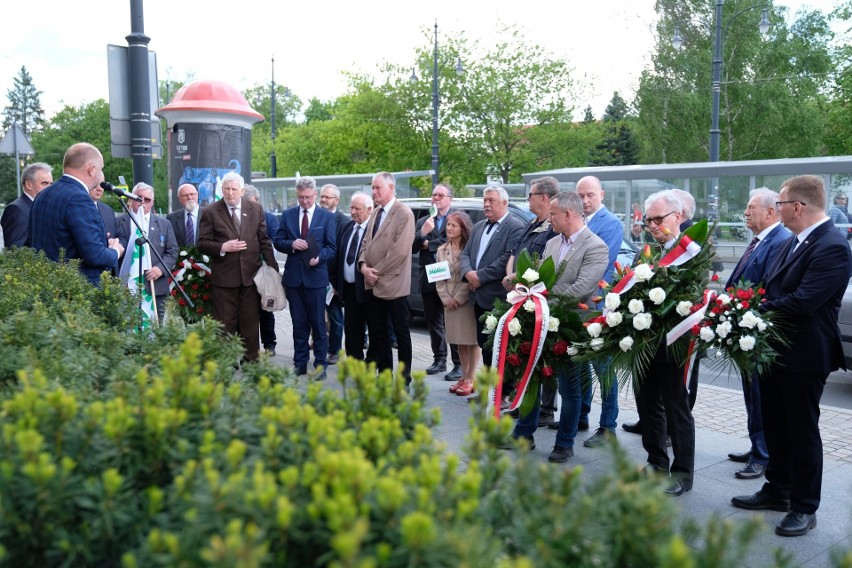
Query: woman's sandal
466	388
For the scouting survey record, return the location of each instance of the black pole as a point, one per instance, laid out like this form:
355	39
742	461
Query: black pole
273	166
140	103
435	104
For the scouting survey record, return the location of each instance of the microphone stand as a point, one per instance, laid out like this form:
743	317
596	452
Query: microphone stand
144	240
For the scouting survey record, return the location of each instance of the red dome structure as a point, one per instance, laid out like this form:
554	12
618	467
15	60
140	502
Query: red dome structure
210	96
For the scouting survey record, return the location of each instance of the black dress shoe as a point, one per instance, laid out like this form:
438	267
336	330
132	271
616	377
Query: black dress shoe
632	427
796	524
679	487
583	426
560	454
320	374
512	443
751	471
333	360
553	424
740	458
544	420
436	367
300	370
453	375
761	500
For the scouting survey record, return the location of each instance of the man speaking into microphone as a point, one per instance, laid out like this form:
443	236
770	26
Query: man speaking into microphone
64	217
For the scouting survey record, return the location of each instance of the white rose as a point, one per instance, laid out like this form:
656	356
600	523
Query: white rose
596	343
514	327
530	275
723	329
205	258
723	299
707	334
761	325
636	307
613	318
553	324
612	301
643	273
594	329
201	273
642	321
749	320
723	318
657	295
529	306
183	253
747	342
626	343
490	324
684	308
739	306
573	351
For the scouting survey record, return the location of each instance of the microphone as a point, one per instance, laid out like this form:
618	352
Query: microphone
106	186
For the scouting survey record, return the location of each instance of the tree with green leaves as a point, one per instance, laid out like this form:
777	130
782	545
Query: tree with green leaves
24	106
838	132
772	90
618	147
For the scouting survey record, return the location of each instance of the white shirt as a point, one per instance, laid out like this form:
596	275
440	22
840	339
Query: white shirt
802	237
486	238
349	270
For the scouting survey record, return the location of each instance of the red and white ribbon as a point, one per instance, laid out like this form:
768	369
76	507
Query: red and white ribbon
691	320
187	265
685	249
517	298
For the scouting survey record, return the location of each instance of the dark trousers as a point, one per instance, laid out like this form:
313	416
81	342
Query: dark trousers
354	320
237	309
754	417
334	310
433	310
790	404
664	406
377	324
307	310
480	336
267	329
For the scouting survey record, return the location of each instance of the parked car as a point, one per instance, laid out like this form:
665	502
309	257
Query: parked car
473	207
844	321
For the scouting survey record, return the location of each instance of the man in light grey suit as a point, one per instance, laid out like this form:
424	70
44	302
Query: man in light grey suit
585	257
483	260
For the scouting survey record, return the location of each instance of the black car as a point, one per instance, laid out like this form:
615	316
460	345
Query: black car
471	206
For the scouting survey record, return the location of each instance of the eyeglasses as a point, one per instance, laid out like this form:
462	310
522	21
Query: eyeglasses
778	204
439	195
656	220
147	200
530	196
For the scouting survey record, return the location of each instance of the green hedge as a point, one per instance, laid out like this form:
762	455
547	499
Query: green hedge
161	456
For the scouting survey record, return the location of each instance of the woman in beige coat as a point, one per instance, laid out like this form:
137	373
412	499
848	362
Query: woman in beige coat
459	319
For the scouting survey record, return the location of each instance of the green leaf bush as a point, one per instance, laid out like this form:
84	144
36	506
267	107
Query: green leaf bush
160	455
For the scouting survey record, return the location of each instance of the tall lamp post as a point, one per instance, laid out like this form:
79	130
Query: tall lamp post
273	165
436	103
715	134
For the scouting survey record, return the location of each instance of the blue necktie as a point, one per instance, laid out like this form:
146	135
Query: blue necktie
190	229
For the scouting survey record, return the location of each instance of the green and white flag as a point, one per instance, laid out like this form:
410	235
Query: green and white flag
130	270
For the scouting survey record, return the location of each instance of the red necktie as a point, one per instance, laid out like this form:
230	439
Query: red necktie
305	224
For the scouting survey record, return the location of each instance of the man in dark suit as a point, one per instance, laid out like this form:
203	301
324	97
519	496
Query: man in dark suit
430	232
762	219
65	217
107	213
345	277
306	234
16	216
385	263
330	201
267	319
805	283
185	220
484	258
661	396
161	237
232	232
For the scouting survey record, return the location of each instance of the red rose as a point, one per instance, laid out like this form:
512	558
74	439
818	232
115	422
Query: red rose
582	306
195	286
715	278
200	310
560	347
526	347
205	297
746	305
547	371
513	359
181	302
761	291
696	329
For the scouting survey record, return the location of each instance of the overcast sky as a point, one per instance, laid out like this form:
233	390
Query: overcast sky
64	44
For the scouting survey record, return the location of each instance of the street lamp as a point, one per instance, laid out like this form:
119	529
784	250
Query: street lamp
436	103
273	165
715	134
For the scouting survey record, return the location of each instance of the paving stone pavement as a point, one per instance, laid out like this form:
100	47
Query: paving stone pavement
720	428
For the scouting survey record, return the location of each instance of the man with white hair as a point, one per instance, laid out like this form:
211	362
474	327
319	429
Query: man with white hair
762	219
661	398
